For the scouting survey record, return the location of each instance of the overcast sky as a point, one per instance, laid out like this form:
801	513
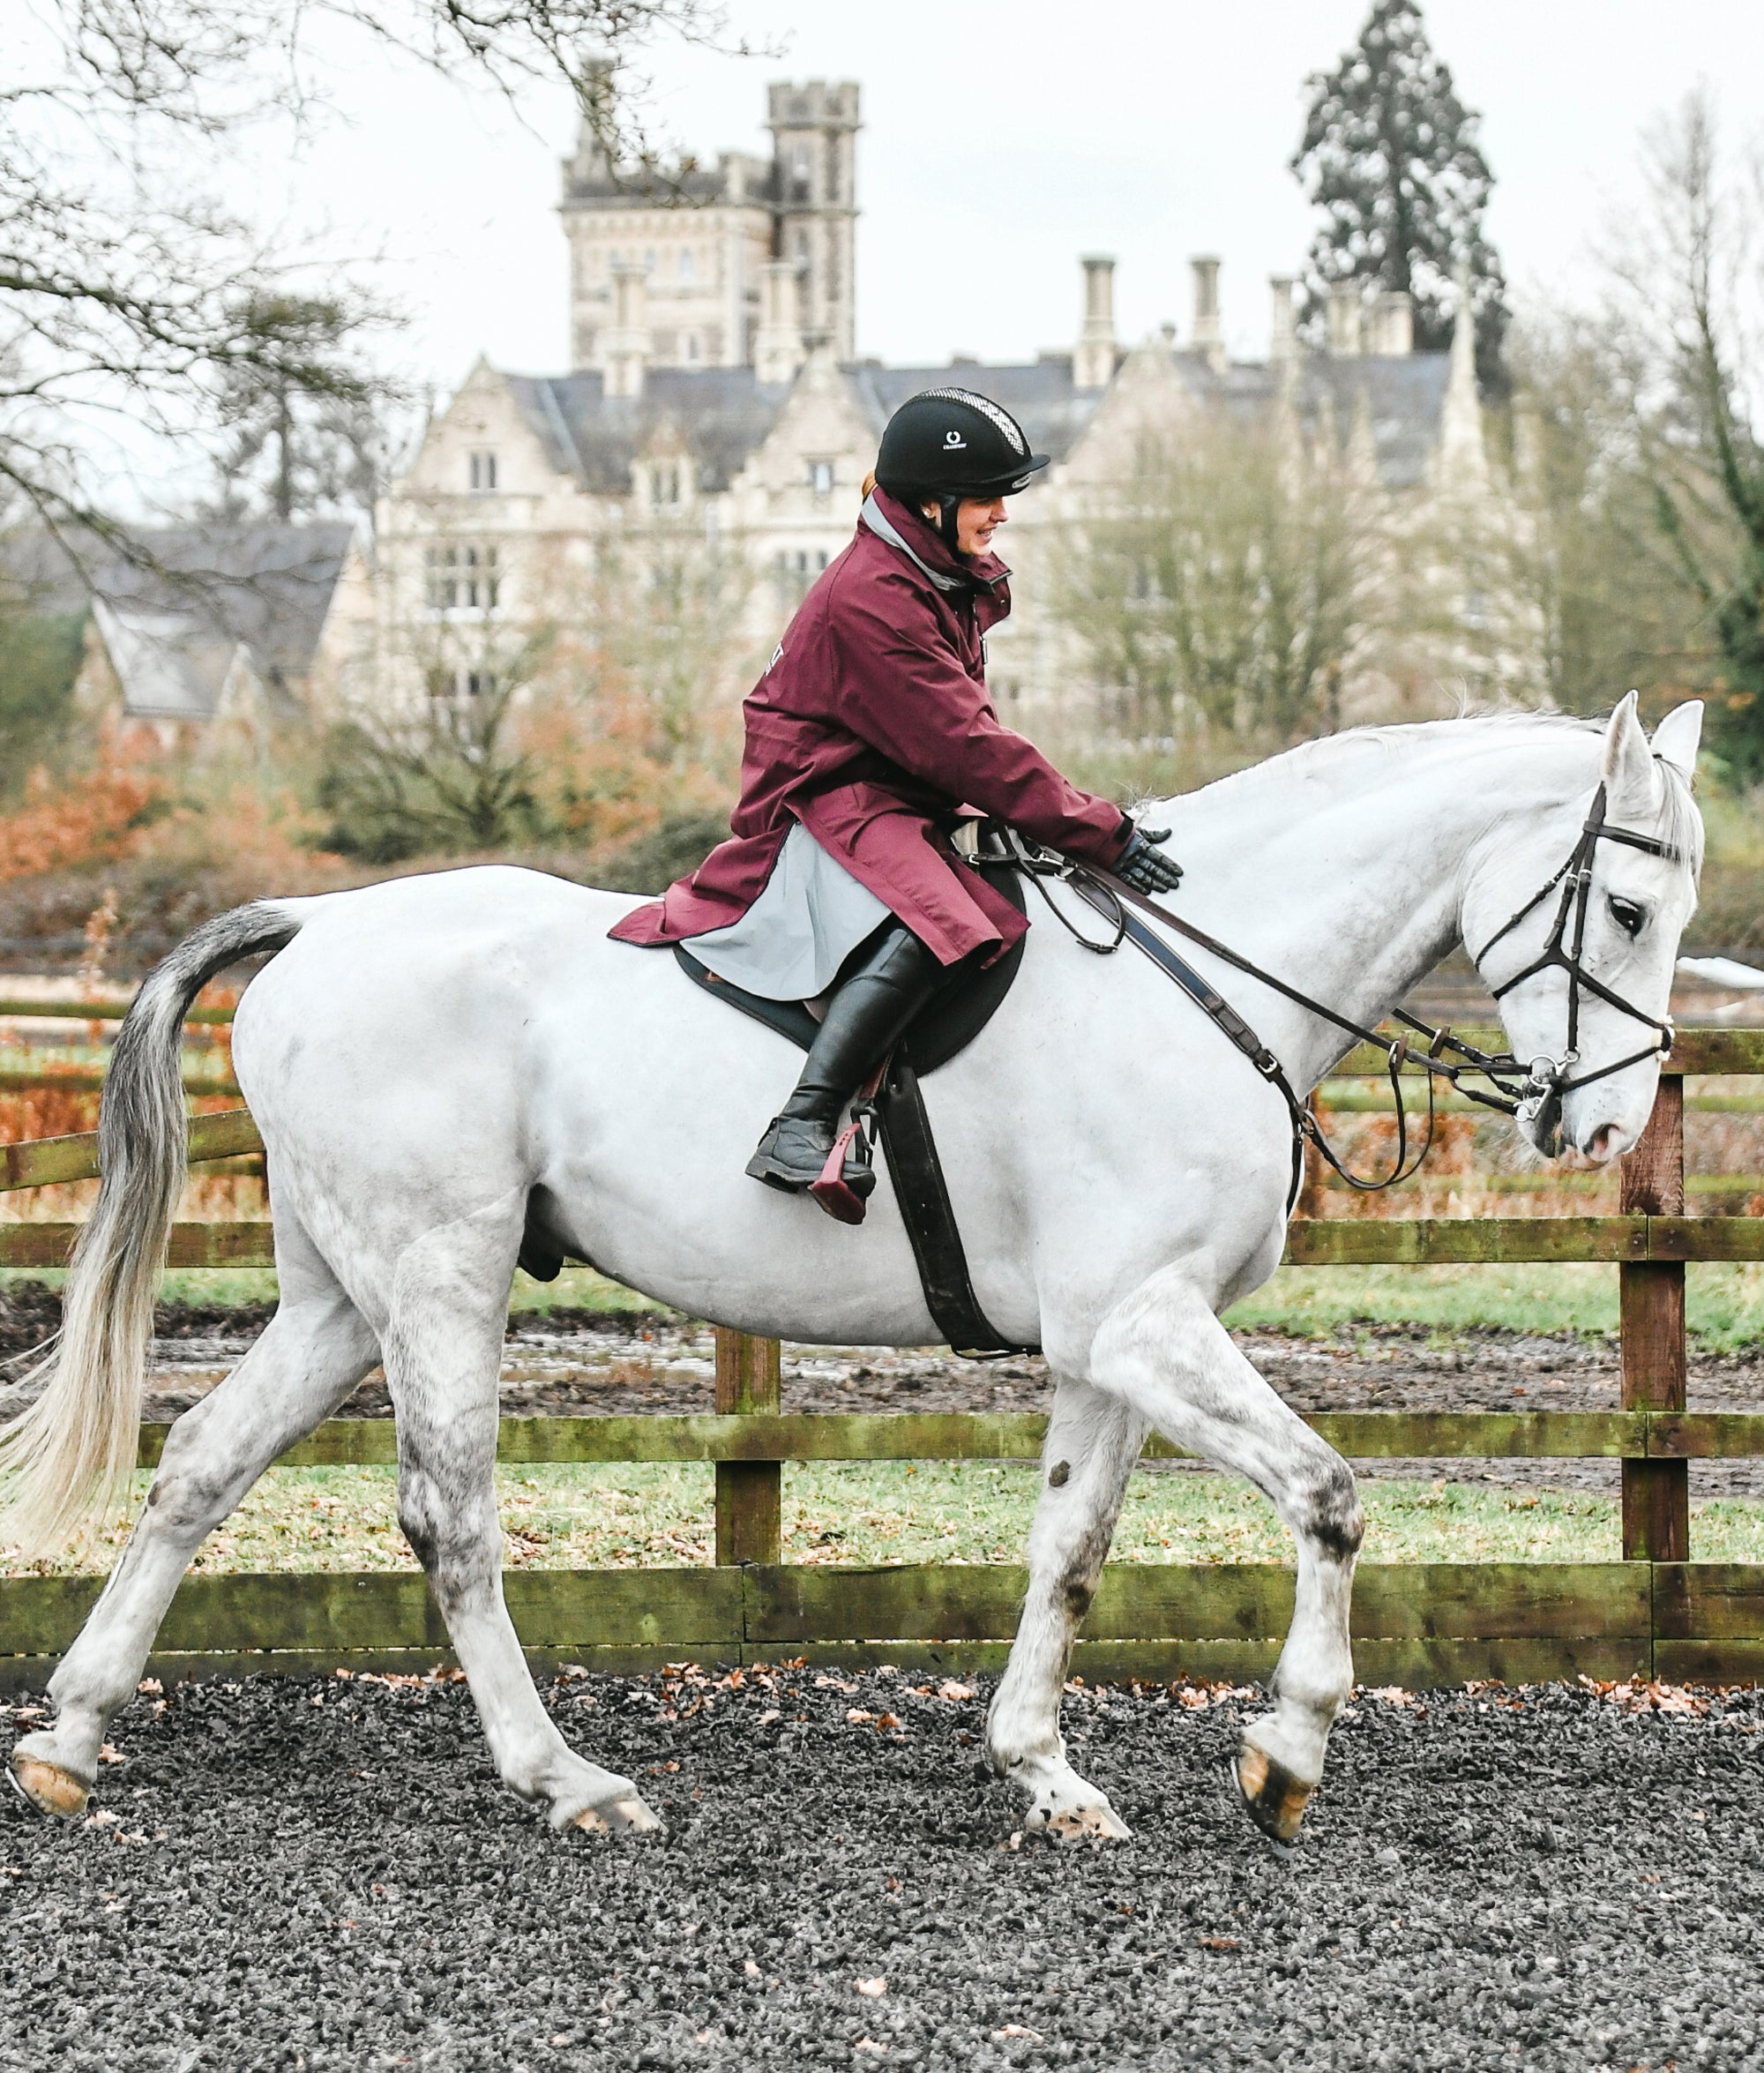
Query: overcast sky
1000	141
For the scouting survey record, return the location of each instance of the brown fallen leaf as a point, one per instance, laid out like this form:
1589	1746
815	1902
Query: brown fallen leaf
872	1987
108	1752
1218	1943
857	1717
953	1692
1019	2030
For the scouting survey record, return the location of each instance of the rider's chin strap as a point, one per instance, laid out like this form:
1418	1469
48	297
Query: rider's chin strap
1575	879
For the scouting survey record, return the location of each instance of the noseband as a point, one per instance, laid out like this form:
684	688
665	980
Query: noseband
1515	1088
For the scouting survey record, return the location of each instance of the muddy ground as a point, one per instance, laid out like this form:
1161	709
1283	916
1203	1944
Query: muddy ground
590	1363
327	1877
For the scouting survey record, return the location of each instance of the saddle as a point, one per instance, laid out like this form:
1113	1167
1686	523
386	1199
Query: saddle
944	1029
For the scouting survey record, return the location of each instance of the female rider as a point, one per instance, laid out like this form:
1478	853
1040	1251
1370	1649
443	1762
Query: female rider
868	733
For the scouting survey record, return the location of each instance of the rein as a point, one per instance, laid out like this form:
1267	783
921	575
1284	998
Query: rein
1512	1084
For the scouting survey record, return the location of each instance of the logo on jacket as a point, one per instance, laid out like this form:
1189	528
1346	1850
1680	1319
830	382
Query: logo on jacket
777	657
952	439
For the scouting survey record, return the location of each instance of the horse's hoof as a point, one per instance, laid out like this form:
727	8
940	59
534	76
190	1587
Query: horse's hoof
628	1815
49	1788
1093	1823
1273	1798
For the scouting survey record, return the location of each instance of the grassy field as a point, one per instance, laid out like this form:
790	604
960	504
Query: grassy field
1725	1302
644	1515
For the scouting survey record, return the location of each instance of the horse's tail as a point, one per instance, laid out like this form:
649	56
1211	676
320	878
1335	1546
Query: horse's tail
63	1460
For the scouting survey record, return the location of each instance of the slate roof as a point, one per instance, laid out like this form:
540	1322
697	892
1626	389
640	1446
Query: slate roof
166	667
1403	398
1039	395
721	415
267	585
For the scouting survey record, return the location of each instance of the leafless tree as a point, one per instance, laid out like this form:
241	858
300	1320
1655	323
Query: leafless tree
132	294
1218	589
1685	314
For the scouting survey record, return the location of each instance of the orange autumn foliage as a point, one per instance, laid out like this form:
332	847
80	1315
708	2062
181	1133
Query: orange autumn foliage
77	819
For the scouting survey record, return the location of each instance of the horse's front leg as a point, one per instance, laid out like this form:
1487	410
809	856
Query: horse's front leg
1164	1354
1092	1443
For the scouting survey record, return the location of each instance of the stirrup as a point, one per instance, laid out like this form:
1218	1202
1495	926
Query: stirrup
798	1179
847	1180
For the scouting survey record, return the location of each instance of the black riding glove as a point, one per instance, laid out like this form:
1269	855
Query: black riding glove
1146	869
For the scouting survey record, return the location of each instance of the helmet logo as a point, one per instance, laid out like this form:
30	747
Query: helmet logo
952	439
1000	420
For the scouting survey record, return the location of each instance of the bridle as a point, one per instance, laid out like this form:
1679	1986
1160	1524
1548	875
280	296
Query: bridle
1562	952
1515	1088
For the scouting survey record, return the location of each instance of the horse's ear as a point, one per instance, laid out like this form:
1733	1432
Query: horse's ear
1631	784
1675	738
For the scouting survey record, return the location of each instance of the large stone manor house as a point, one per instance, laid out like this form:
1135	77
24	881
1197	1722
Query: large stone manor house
717	414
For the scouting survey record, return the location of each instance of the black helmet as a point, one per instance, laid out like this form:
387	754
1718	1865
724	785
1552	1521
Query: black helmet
951	442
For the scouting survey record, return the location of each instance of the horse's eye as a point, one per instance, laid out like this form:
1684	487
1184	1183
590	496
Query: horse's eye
1628	915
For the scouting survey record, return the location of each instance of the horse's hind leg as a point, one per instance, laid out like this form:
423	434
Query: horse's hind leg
310	1355
1092	1442
1164	1352
443	1348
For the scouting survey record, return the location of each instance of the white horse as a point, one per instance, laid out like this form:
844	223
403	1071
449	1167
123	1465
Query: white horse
421	1055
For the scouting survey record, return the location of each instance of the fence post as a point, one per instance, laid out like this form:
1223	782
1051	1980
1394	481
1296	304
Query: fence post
750	1507
1656	1502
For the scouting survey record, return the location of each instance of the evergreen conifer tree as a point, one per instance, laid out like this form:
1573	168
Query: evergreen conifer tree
1390	155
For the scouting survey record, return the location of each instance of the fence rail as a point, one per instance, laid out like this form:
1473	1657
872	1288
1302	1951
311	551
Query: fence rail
1654	1613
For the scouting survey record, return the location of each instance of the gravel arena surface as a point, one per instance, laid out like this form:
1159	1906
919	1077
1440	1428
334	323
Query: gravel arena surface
309	1874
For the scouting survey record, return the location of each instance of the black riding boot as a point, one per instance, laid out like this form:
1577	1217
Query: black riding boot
864	1020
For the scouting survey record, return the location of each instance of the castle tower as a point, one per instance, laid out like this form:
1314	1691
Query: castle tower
814	134
704	236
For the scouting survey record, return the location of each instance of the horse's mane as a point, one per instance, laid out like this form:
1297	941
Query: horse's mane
1683	825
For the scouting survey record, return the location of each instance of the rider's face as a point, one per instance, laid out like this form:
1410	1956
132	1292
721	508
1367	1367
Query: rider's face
977	520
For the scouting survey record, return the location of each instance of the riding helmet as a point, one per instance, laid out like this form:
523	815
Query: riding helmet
951	442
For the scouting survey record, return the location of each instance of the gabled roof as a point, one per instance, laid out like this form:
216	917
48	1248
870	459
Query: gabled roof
721	415
166	667
1039	395
266	585
1403	398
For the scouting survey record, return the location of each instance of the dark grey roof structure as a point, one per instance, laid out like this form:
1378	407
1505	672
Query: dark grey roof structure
1040	395
721	415
174	615
267	585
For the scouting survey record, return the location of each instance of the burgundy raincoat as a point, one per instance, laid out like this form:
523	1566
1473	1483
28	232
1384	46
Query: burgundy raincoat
871	726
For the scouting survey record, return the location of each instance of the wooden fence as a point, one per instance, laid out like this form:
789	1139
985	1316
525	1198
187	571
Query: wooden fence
1655	1614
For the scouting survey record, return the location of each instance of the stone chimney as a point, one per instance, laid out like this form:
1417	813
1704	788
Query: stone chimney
624	343
779	347
1283	335
1394	325
1092	365
1344	320
1462	457
1209	337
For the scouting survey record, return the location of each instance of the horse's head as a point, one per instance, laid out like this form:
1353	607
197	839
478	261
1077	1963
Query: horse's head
1574	915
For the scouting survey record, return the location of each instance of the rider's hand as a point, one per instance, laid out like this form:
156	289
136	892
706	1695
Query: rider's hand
1146	869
